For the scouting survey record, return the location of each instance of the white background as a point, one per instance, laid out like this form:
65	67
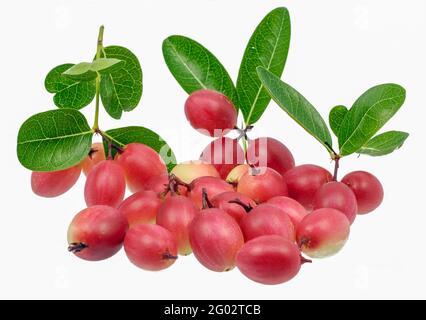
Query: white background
338	50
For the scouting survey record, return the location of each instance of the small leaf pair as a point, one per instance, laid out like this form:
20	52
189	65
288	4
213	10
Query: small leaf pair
74	86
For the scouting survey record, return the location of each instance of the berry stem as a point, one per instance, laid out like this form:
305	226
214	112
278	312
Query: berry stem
77	247
168	256
99	49
206	201
246	207
336	167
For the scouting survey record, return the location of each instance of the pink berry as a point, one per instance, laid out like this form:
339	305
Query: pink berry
150	247
175	214
323	232
262	184
215	239
55	183
269	260
96	233
304	181
367	189
140	207
105	185
210	112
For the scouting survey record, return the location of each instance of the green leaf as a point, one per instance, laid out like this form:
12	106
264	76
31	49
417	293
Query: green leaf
195	68
54	140
296	106
384	143
126	135
335	118
88	70
368	114
121	89
267	47
69	93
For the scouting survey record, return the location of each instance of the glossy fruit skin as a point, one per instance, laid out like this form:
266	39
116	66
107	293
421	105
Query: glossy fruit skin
140	163
269	260
367	189
105	185
210	112
291	207
150	247
53	184
323	232
175	214
140	207
266	219
215	239
191	170
304	181
338	196
236	173
225	154
264	186
269	152
213	186
221	201
101	229
159	184
97	155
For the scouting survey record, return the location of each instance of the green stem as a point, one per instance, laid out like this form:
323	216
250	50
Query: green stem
99	49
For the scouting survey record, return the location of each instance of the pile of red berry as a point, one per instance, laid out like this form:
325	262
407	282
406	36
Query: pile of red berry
251	208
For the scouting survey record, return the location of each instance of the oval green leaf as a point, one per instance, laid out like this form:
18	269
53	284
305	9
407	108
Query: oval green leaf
296	106
335	118
195	68
368	115
121	89
126	135
267	47
54	140
69	92
384	143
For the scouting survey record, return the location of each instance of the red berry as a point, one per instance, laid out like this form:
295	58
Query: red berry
175	214
225	154
140	163
96	233
291	207
55	183
97	154
269	259
105	185
323	232
261	184
215	239
338	196
150	247
221	201
210	112
304	181
141	207
213	186
266	219
191	170
367	189
269	152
